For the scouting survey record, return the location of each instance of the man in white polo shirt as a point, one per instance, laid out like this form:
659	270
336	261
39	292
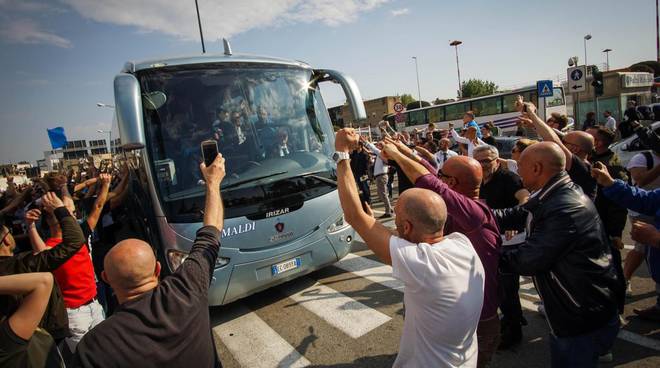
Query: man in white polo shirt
443	276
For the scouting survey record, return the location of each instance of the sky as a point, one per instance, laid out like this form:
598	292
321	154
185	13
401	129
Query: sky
58	58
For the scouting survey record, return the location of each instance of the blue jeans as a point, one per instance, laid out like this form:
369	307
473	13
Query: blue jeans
583	350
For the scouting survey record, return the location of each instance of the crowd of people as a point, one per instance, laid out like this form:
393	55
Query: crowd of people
555	211
70	293
468	225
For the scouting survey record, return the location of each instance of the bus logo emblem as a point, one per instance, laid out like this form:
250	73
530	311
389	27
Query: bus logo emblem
278	212
279	227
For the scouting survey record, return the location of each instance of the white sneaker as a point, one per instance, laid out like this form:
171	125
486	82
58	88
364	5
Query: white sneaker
629	292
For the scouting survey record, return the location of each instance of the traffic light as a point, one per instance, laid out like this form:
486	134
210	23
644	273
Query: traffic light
597	81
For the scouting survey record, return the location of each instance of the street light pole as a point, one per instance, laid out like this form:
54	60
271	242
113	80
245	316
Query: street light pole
607	58
455	43
101	104
586	38
109	138
419	93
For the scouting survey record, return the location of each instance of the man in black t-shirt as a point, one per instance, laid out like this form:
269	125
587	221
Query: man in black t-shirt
502	188
160	323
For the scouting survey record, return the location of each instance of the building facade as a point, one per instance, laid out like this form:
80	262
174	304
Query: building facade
342	116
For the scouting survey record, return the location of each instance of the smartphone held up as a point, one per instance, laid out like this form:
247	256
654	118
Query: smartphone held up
209	151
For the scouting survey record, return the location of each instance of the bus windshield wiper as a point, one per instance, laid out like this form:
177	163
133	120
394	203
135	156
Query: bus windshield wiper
241	182
318	177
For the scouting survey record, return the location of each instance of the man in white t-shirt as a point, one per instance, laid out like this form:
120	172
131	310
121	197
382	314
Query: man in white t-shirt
610	123
443	276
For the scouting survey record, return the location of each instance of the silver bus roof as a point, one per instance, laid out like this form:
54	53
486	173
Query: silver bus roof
132	67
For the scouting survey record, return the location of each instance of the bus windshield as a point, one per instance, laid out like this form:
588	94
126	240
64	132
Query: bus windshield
270	124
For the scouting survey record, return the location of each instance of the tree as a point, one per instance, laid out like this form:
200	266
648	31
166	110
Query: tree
417	105
477	87
407	99
440	101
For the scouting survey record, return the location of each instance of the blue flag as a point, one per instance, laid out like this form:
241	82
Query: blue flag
57	137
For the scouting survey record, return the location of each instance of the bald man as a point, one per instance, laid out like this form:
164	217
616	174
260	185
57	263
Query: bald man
461	178
160	323
567	251
442	274
444	153
577	146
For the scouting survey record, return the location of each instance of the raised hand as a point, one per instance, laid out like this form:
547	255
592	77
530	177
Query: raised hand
105	179
32	216
51	201
346	140
602	176
645	233
214	173
401	147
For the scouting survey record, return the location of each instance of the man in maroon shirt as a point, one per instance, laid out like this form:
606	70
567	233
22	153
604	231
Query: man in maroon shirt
459	187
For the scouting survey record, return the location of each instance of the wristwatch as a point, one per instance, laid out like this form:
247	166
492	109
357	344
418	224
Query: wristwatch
340	156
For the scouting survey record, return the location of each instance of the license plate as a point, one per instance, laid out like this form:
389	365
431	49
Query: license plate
286	266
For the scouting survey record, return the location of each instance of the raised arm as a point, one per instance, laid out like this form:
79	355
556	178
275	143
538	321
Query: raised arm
87	183
197	270
31	217
35	289
427	155
636	199
529	116
456	136
375	235
95	214
72	239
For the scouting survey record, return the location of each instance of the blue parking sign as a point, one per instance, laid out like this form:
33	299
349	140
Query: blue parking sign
544	88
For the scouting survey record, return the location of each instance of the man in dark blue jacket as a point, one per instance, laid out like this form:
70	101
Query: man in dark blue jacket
644	202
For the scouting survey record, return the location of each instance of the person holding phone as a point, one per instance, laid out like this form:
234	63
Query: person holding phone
154	312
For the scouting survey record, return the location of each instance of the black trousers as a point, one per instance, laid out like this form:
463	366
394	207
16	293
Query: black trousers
508	287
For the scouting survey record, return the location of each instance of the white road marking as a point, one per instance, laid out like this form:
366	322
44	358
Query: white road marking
254	344
348	315
639	339
371	270
628	246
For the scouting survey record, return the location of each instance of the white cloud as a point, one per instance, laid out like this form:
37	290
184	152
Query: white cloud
398	12
220	18
27	31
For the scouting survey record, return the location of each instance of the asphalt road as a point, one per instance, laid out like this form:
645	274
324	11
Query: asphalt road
351	315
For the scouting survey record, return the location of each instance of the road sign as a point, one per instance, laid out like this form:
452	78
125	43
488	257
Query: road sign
399	118
577	79
398	107
544	88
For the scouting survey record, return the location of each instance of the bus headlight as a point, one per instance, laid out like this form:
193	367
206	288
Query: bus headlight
176	258
339	224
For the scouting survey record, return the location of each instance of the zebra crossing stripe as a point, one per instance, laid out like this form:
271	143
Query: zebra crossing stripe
253	343
371	270
342	312
623	334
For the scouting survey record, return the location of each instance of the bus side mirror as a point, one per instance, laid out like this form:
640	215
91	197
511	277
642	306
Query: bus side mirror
350	88
128	105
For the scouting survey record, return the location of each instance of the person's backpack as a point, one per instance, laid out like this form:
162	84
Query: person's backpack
649	165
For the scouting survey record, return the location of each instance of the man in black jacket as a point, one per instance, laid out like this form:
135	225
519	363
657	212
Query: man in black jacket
567	252
160	323
55	319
